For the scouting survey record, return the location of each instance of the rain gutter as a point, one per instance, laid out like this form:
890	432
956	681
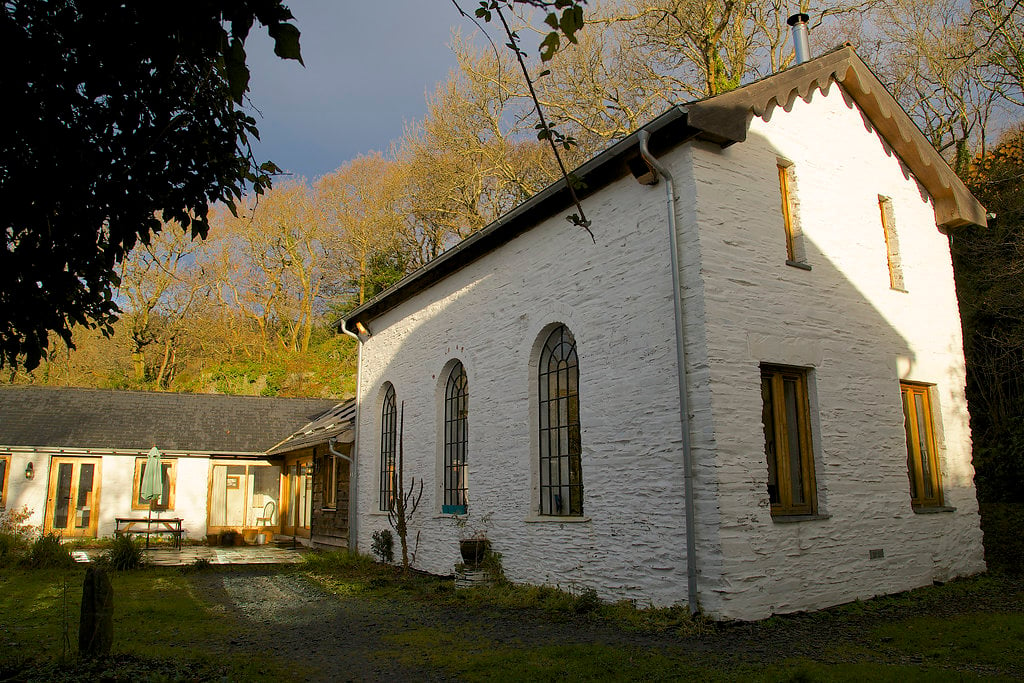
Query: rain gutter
353	478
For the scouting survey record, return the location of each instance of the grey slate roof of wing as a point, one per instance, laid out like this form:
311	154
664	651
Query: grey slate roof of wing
68	417
337	423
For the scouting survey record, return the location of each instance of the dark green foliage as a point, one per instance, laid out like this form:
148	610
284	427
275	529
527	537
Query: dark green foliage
1004	543
123	555
383	545
47	552
117	115
989	267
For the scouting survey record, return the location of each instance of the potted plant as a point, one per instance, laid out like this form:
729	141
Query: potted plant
473	542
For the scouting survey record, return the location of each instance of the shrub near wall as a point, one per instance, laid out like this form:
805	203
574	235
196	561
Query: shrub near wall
15	536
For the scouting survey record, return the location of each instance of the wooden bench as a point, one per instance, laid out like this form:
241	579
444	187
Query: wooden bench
139	526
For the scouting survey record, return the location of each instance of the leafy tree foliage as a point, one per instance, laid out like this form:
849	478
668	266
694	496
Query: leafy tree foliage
989	266
118	115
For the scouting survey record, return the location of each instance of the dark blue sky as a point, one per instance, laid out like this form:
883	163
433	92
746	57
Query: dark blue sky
369	67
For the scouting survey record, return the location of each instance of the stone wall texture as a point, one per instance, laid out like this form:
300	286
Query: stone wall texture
743	306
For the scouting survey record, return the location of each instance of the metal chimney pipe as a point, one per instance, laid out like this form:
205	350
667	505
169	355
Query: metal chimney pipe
800	44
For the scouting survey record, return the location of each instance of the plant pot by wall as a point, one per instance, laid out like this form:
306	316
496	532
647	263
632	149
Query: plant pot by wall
473	551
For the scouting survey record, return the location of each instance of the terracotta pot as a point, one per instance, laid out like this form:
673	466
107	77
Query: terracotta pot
473	551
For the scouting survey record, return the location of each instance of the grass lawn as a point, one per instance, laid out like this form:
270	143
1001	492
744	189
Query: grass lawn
168	628
162	630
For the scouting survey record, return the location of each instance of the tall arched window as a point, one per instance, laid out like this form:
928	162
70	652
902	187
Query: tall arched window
388	447
561	469
456	433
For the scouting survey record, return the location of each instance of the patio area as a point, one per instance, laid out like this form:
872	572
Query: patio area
168	556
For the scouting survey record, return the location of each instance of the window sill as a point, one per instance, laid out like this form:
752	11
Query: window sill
798	264
555	519
793	519
378	513
932	509
901	290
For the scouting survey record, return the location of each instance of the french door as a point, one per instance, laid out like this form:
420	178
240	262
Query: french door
73	500
297	498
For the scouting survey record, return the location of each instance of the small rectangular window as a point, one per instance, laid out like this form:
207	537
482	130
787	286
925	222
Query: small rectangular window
892	245
785	416
795	253
329	470
922	457
166	501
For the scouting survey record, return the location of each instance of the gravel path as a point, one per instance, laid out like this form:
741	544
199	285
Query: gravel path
287	614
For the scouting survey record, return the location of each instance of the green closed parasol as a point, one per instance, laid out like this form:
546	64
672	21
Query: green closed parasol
152	486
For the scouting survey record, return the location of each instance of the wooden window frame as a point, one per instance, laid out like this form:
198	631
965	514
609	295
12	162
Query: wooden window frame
388	447
171	465
5	458
777	442
892	244
787	210
796	255
912	424
456	441
559	427
330	482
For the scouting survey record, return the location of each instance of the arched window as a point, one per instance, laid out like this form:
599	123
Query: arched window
456	432
561	470
388	447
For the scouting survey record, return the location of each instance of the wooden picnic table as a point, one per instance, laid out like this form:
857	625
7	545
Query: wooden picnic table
145	526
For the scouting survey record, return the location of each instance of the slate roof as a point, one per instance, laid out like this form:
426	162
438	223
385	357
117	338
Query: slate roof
337	423
723	120
66	417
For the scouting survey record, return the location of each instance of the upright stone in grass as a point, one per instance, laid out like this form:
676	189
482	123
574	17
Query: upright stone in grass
96	628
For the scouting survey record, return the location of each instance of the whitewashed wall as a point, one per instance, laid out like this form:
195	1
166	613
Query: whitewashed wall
858	337
743	306
115	494
31	493
615	296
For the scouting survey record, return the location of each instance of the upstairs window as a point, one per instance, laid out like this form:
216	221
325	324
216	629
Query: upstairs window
456	437
561	467
795	253
892	245
388	447
785	416
922	460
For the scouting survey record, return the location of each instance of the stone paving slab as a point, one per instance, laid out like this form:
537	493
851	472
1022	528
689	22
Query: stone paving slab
240	555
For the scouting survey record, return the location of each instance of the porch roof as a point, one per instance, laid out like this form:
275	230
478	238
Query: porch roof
338	423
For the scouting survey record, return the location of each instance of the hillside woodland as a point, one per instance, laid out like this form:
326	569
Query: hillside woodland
249	309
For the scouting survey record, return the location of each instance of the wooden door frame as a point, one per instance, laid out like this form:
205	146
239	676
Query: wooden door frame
306	458
92	531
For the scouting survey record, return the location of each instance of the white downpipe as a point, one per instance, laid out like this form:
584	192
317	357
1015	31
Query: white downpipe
684	411
353	474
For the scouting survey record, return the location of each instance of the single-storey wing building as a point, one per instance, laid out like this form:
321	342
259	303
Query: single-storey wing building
747	394
75	457
322	449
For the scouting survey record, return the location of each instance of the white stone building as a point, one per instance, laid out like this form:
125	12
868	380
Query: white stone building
825	422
